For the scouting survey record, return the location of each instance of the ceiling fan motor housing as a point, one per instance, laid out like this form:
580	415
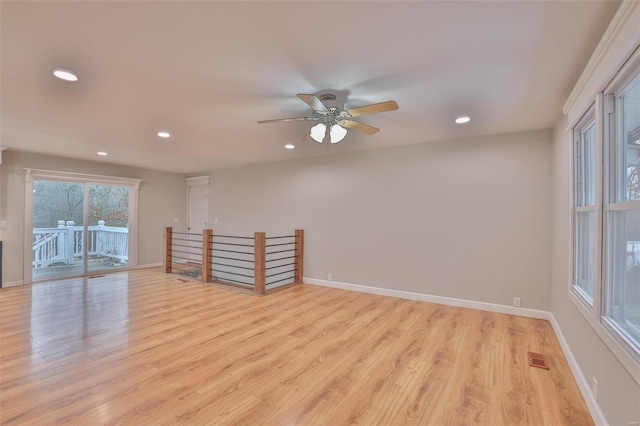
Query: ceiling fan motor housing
329	100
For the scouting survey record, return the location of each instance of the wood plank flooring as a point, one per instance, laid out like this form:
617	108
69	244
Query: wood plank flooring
143	348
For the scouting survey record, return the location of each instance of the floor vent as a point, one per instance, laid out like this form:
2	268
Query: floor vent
96	276
538	360
181	280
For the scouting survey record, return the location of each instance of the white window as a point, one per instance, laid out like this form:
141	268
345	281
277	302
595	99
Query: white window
621	280
584	208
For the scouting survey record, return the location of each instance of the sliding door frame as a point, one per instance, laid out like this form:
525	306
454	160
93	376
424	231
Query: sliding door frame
86	179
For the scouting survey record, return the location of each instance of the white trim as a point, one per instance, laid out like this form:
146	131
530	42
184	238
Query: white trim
12	283
449	301
2	148
616	45
583	209
82	177
149	265
198	181
623	206
27	251
593	406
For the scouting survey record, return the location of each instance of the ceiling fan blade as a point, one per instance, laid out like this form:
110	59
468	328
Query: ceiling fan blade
307	137
314	102
277	120
373	108
360	127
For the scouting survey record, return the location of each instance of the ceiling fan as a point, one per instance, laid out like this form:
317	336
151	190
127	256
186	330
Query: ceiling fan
334	119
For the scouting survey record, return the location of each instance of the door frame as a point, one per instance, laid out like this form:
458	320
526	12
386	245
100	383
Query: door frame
87	179
197	181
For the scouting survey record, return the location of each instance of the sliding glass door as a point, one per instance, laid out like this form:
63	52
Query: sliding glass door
108	227
79	228
58	221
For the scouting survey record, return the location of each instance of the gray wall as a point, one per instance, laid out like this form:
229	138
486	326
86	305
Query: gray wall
467	219
618	393
162	198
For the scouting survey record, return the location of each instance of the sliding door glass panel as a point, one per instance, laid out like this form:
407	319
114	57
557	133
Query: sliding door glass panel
108	227
58	228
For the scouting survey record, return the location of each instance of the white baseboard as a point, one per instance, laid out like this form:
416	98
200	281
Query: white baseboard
450	301
149	265
12	283
593	406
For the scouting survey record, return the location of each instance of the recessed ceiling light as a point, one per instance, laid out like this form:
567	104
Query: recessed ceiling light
164	134
102	153
463	119
65	75
289	146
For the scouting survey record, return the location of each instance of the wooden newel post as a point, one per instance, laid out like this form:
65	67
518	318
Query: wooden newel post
260	258
207	241
299	246
168	242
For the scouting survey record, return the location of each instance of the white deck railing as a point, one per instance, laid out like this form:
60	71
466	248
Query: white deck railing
64	243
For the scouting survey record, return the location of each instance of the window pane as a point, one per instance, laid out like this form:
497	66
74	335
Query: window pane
623	266
630	149
585	166
58	231
589	147
108	230
584	252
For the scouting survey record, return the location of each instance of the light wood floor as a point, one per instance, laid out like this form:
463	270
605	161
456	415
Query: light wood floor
142	348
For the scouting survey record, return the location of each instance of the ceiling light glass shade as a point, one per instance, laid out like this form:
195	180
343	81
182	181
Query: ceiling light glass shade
463	119
65	75
289	146
337	133
164	134
318	131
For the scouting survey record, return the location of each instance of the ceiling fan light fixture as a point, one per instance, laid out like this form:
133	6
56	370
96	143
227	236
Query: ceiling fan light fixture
337	133
318	131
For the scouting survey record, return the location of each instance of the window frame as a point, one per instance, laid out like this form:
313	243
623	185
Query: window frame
622	345
579	205
613	123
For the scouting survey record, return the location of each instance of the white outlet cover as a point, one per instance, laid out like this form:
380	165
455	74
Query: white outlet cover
3	223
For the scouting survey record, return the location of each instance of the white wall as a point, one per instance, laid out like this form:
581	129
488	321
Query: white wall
162	198
618	393
467	219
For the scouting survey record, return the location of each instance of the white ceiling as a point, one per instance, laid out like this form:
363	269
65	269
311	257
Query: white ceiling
208	71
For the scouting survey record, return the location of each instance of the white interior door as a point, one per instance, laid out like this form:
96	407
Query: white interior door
197	213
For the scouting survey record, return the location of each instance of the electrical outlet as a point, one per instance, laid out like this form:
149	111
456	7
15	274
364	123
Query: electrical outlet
594	388
329	277
215	220
3	223
516	302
